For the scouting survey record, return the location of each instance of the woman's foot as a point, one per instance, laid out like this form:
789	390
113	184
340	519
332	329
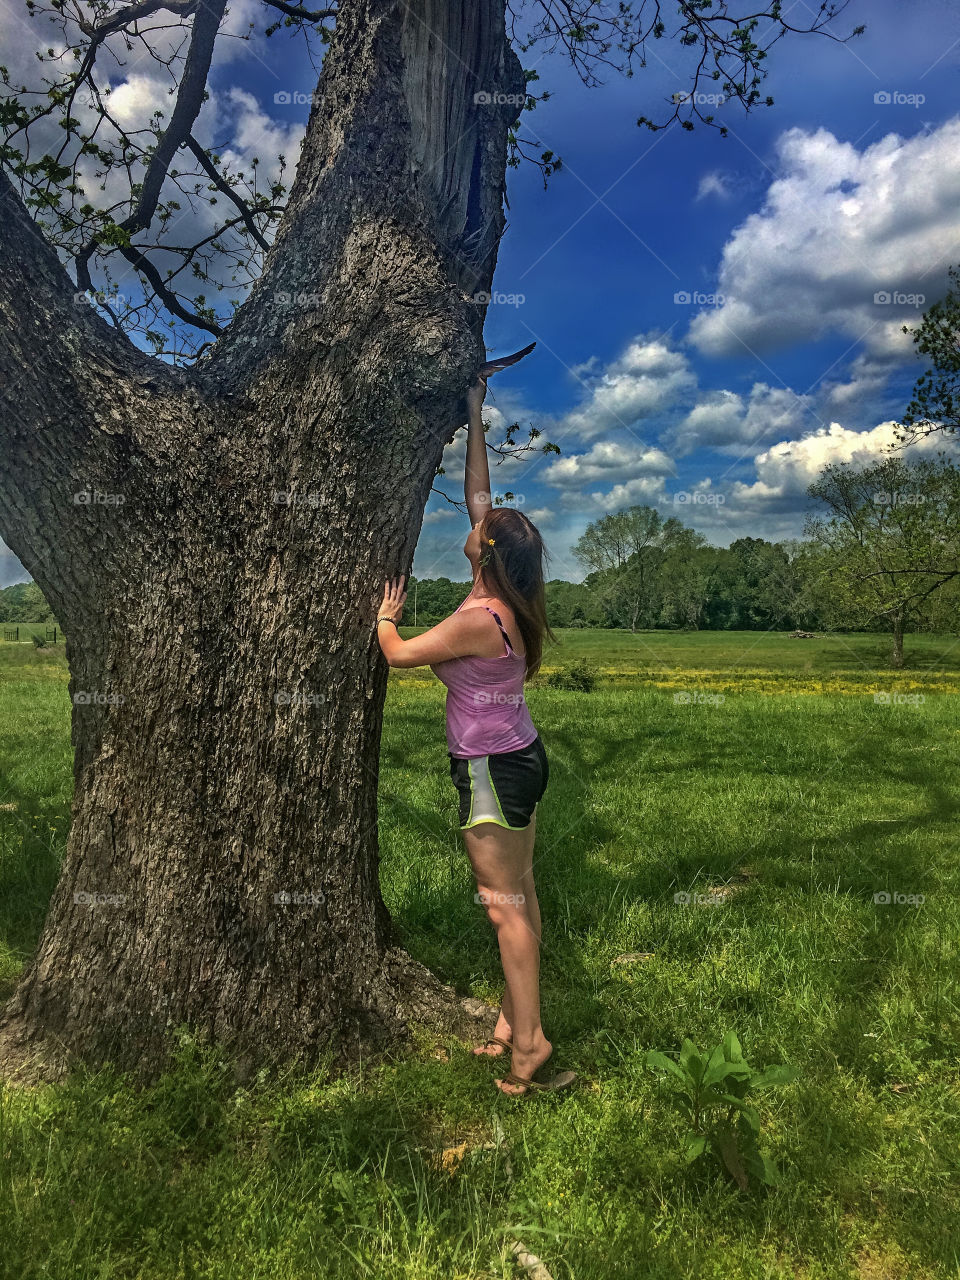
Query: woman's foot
526	1064
490	1050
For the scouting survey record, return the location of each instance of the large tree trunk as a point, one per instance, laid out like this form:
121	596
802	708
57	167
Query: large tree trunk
218	591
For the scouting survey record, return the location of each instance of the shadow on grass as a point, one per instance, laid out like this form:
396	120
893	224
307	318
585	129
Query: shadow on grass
29	871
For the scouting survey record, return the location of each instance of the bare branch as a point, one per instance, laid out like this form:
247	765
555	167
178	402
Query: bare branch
190	97
298	11
170	299
213	173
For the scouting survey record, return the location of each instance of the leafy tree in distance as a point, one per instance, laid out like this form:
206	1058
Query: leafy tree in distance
625	553
764	586
273	469
689	577
571	604
936	397
890	539
434	599
24	602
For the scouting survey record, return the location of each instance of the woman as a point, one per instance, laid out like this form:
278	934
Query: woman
483	653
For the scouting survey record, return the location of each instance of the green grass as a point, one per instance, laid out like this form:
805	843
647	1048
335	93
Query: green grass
802	803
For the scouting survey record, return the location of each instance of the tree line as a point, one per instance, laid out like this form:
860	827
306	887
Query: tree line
24	602
882	553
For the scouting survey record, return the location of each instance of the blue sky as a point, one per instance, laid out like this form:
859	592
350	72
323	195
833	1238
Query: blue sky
719	410
722	414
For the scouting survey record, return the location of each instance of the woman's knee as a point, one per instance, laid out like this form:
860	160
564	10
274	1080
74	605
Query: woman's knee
501	905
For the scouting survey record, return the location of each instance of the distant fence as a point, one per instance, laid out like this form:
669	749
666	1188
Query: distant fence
13	633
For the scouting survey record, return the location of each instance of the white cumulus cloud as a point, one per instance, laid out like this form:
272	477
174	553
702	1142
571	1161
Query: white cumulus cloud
648	378
839	227
608	461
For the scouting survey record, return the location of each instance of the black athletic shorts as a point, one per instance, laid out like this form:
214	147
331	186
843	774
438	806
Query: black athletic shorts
502	788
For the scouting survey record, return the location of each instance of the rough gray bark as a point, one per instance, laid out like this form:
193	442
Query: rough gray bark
228	754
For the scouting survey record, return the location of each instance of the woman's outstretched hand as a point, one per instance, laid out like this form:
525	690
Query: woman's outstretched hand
476	393
393	598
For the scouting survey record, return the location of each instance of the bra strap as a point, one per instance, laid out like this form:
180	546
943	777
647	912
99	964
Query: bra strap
506	638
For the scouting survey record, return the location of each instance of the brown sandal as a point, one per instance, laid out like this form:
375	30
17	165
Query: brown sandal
560	1081
479	1053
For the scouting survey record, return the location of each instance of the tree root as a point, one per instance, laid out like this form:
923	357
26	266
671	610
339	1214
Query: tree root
407	997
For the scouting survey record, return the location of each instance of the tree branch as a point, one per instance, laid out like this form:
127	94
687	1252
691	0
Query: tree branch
71	389
190	97
170	300
298	11
213	173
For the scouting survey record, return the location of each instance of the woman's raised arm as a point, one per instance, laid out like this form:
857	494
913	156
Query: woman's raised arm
476	479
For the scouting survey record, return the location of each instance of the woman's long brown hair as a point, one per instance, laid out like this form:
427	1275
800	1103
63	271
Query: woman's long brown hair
512	569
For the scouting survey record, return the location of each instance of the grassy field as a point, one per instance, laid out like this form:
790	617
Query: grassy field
792	779
26	630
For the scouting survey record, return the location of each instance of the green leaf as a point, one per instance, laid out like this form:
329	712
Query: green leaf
776	1075
660	1061
770	1171
762	1168
715	1058
687	1049
731	1047
717	1073
750	1116
696	1147
691	1059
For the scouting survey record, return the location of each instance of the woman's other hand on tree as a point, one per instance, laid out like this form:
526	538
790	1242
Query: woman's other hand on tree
393	598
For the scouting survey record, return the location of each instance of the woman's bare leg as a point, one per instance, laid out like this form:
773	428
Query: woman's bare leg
529	888
502	864
504	1027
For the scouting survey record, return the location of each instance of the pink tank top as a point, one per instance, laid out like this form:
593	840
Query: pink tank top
486	710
